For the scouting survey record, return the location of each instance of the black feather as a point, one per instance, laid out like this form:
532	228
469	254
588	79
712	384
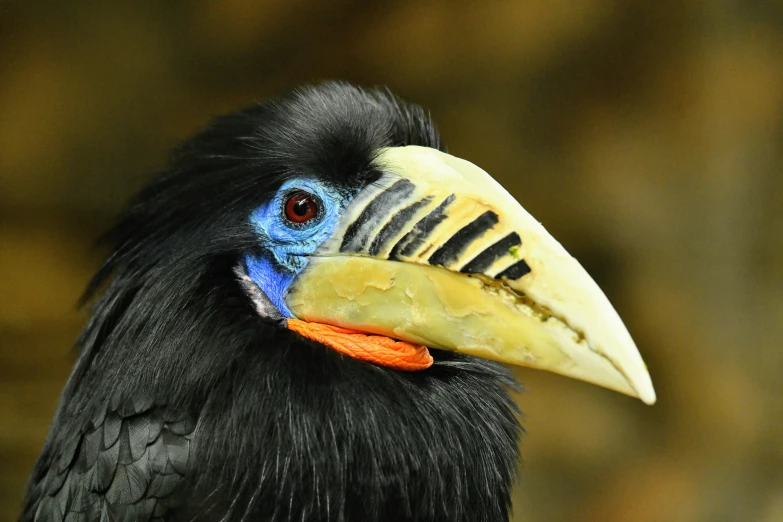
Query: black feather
114	482
185	405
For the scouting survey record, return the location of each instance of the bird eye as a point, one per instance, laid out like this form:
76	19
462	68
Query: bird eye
301	207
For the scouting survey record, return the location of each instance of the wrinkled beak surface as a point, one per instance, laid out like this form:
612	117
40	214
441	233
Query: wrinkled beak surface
437	252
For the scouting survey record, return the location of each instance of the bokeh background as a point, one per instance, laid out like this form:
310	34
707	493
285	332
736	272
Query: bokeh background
647	137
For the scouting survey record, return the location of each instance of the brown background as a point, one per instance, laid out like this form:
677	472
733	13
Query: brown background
647	136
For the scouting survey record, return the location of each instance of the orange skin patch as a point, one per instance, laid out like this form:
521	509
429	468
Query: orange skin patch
375	349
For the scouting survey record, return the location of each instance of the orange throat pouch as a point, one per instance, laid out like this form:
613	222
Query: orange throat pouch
375	349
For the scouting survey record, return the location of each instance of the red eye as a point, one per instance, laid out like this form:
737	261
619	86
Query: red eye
301	207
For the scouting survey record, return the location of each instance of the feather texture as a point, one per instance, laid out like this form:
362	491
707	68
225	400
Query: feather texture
120	468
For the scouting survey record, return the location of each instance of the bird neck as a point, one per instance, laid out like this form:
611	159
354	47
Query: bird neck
309	434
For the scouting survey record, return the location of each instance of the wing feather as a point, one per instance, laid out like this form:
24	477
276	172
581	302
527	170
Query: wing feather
127	465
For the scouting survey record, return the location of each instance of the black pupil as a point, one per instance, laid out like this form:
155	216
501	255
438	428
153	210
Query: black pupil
301	207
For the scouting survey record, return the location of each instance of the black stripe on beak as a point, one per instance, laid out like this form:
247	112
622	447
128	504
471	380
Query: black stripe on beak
358	233
451	249
515	271
480	263
395	225
411	241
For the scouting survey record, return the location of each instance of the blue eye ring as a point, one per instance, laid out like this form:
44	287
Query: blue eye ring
300	208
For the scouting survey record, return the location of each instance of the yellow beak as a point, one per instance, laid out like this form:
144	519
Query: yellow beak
437	252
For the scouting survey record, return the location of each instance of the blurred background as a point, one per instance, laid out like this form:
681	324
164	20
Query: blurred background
646	136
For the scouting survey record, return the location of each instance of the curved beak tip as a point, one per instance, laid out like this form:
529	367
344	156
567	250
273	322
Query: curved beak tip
644	388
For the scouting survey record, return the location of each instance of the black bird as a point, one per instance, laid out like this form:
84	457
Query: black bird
298	321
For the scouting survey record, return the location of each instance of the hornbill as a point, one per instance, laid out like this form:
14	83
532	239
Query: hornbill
304	318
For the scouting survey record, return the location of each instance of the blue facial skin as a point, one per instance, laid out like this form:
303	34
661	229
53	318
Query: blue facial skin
287	245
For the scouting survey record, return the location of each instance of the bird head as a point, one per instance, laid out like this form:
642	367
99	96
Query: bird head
343	220
362	231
